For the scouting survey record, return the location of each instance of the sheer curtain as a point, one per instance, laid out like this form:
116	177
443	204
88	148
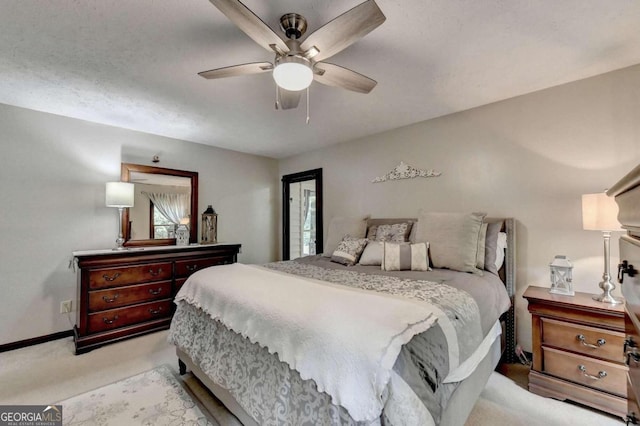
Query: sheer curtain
172	206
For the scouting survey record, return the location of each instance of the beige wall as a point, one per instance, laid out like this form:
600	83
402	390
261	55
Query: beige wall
530	157
52	181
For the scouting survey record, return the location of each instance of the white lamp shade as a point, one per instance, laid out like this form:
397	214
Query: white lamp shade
119	194
600	213
293	76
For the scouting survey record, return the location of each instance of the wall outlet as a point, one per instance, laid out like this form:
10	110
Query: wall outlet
65	306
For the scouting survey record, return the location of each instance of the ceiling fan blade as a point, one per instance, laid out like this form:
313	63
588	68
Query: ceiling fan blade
235	70
250	24
344	30
288	99
335	75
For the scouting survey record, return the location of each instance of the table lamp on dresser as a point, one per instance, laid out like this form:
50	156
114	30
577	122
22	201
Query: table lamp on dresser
120	195
600	213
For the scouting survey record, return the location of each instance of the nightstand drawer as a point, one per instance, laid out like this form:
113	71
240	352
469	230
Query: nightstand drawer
114	318
595	373
126	275
591	341
122	296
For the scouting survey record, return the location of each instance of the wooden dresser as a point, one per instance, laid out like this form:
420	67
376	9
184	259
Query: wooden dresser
627	195
578	350
122	294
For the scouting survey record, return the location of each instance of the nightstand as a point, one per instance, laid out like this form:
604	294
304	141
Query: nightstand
578	350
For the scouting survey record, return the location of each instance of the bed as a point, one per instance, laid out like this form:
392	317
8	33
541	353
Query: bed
434	377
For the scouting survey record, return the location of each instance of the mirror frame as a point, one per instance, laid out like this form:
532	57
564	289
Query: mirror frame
125	176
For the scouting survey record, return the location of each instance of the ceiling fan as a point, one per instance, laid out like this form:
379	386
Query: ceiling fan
297	63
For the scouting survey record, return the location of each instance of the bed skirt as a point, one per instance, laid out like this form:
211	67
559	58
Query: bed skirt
455	414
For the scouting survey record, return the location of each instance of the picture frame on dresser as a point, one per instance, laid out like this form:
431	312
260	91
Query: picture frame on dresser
124	294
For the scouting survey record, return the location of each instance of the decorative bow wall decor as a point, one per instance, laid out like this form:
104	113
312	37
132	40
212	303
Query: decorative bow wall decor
405	171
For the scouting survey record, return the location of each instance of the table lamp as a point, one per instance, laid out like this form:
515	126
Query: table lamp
600	213
120	195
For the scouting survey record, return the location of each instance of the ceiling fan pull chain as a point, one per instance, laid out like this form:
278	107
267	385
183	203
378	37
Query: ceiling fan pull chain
307	105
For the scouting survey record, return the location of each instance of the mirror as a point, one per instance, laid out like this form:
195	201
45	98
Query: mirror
154	224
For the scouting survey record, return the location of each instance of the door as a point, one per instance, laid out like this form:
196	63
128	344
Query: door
302	214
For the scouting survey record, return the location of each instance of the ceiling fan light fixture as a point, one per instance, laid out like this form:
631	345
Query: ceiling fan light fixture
293	73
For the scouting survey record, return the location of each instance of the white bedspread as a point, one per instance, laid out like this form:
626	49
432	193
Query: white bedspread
345	339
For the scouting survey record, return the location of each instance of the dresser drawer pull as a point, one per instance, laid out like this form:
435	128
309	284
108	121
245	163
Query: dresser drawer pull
113	278
599	343
192	268
110	321
110	299
155	311
155	273
601	374
155	292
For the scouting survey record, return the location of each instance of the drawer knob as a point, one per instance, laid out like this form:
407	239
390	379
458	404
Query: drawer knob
155	292
192	268
110	299
155	311
110	321
601	374
155	273
113	278
599	342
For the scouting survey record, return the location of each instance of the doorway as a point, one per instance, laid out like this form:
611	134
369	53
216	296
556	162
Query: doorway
302	214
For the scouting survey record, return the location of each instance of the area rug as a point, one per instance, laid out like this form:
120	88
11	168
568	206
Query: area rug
155	397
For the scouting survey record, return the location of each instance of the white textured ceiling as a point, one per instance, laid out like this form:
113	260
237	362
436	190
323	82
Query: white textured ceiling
134	64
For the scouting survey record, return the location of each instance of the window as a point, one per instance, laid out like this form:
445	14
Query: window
161	227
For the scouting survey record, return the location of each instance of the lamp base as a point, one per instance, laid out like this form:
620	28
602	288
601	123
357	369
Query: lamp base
120	244
606	297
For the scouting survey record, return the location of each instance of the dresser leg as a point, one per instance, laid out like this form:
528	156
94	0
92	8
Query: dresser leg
182	367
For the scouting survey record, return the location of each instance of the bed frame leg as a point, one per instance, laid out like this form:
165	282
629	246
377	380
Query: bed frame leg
182	367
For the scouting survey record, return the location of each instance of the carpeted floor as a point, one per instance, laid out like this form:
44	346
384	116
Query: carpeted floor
160	397
50	372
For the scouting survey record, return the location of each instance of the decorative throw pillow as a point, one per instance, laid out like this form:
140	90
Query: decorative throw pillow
397	232
349	250
502	245
491	246
453	239
372	254
341	226
481	244
405	256
371	232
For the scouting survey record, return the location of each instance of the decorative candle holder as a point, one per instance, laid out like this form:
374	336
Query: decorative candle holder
209	226
561	276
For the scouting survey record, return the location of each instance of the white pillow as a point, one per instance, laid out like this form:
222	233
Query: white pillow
340	227
502	245
372	254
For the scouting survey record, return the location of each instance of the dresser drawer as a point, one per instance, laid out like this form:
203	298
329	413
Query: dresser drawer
114	277
568	366
591	341
101	300
179	283
115	318
184	268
